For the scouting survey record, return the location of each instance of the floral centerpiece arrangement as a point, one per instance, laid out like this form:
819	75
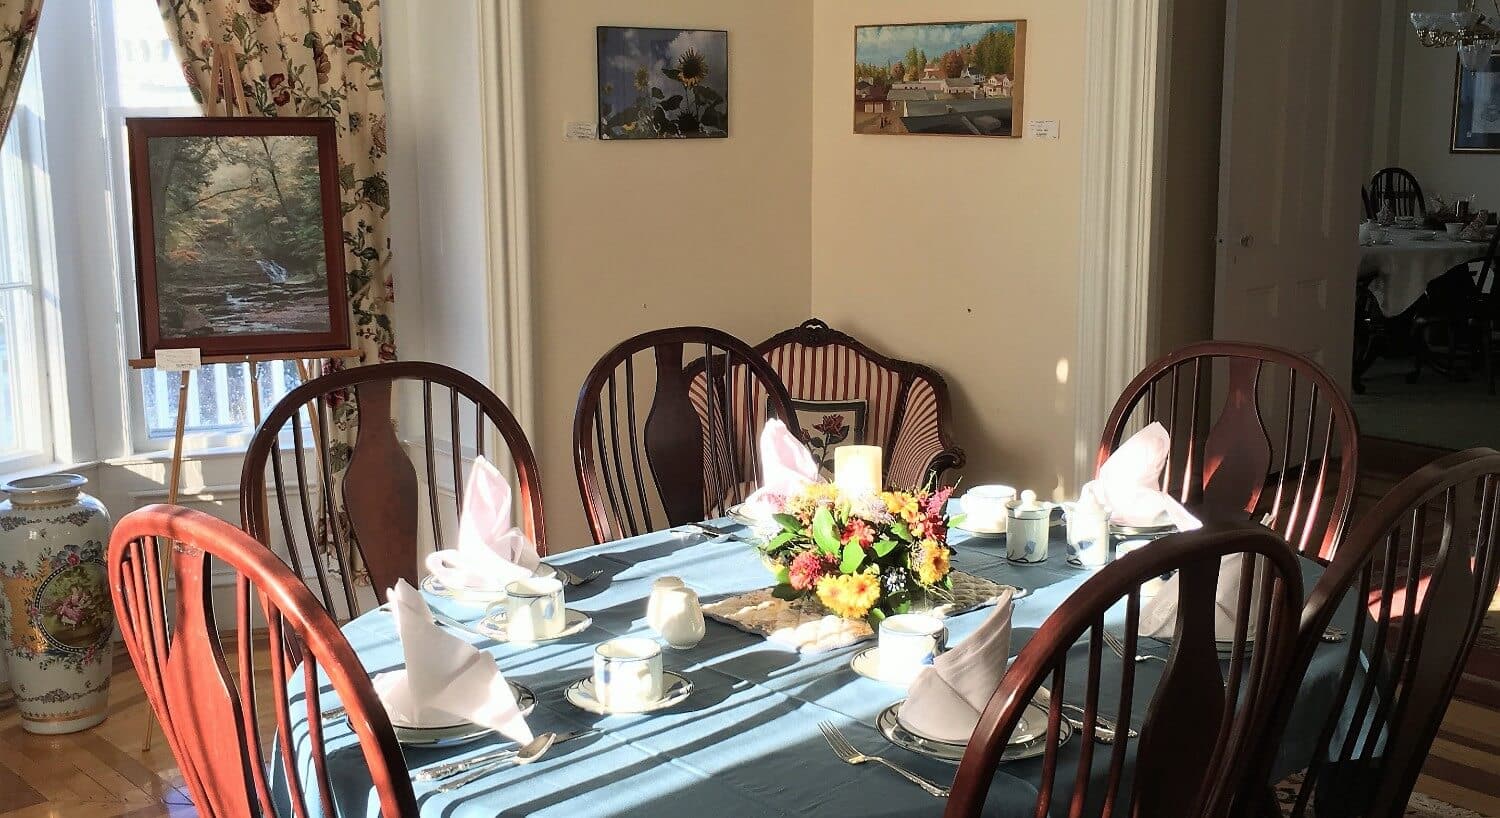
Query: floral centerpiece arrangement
862	557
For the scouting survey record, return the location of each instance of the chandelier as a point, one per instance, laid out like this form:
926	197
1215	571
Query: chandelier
1469	31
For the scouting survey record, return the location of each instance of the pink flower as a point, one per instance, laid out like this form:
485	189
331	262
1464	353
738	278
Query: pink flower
808	568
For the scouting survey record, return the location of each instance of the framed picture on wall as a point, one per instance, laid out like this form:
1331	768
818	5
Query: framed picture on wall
946	79
663	83
1476	109
239	244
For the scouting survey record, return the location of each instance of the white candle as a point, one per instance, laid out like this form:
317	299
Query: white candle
856	470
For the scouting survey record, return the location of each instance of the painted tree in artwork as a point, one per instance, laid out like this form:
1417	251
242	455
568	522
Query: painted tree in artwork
952	64
995	53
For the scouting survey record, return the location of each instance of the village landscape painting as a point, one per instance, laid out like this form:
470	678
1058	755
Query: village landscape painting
663	83
954	79
239	235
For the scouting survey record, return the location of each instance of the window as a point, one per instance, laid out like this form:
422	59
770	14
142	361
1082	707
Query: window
142	77
26	269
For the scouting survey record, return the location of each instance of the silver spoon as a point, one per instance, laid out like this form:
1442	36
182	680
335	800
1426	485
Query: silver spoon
525	755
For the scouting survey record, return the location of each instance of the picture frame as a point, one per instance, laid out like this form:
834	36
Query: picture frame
662	83
1476	108
238	231
964	78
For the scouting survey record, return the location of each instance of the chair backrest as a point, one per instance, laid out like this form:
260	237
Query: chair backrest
693	451
1202	716
1491	258
218	718
382	498
1421	568
1284	438
821	365
1398	187
1367	207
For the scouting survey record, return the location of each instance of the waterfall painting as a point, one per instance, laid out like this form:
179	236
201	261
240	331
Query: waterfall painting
238	235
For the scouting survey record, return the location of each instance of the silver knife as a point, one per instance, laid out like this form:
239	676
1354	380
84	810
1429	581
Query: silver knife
438	772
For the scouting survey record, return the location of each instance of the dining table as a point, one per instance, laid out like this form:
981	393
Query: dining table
746	741
1408	260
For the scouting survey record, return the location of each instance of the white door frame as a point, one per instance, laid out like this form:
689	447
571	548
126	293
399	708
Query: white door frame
507	194
1127	43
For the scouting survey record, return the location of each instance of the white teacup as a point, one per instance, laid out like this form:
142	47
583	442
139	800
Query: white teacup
534	609
627	674
908	642
985	507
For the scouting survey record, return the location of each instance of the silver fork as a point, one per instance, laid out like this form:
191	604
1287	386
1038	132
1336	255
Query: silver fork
1117	645
844	750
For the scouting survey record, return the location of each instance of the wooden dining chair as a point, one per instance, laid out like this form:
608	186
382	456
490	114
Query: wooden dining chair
1398	187
1205	711
845	392
290	462
1367	207
667	428
1255	429
1422	567
218	708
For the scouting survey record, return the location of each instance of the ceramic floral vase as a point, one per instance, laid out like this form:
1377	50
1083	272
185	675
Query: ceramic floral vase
56	618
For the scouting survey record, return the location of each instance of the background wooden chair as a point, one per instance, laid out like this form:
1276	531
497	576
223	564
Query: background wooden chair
218	720
1399	188
667	429
382	498
846	392
1200	720
1454	325
1423	566
1255	429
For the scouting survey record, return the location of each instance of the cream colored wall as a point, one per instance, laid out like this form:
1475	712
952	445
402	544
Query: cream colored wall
960	252
642	235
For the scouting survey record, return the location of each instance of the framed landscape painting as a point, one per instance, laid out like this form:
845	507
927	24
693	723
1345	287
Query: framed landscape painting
238	235
1476	109
663	83
948	79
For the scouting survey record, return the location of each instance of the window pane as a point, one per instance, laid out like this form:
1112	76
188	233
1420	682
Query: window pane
218	397
20	366
147	71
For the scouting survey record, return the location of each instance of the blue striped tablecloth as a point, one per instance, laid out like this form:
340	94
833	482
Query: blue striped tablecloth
746	742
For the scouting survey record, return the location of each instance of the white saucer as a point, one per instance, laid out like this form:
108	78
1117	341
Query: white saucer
580	694
464	732
983	534
867	664
493	626
475	596
1028	741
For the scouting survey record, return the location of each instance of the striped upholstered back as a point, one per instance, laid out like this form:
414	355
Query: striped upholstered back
904	402
730	424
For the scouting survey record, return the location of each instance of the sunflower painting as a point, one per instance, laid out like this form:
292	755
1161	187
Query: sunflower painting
663	83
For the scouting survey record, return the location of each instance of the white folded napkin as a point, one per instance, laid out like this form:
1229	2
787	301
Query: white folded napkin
946	700
1159	614
786	467
446	680
1130	482
491	552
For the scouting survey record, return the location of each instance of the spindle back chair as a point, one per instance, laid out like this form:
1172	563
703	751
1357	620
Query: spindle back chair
382	499
692	452
1421	569
1398	187
1200	719
217	717
1284	438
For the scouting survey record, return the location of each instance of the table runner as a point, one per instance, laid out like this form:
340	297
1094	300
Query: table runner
746	742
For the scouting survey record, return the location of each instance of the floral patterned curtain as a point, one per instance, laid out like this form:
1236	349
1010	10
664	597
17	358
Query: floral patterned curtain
309	58
17	33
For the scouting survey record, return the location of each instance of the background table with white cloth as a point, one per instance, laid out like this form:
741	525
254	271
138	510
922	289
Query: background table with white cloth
1404	267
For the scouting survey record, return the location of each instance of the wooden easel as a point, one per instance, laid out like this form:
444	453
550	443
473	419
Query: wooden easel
174	470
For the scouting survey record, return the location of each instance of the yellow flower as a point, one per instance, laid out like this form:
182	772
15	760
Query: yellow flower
902	504
849	596
692	67
629	126
931	562
642	78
